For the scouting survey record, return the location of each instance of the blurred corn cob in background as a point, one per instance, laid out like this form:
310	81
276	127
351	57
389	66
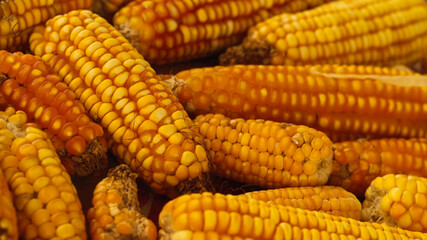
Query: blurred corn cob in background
357	163
45	199
116	212
18	18
345	102
29	85
397	200
149	128
329	199
266	153
8	222
217	216
167	31
382	32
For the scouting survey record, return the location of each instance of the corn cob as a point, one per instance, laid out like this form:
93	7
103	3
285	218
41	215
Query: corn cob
385	32
116	212
152	131
31	87
397	200
45	199
357	163
168	31
8	222
18	18
217	216
329	199
266	153
345	102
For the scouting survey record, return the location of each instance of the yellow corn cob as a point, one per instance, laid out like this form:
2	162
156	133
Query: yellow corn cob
8	222
18	18
329	199
385	32
107	8
345	102
152	131
116	212
45	199
266	153
166	31
31	87
217	216
357	163
397	200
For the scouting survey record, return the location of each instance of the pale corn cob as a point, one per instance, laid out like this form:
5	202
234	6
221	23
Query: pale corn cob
29	85
45	199
329	199
151	130
346	102
116	211
18	18
208	216
167	31
266	153
397	200
357	163
382	32
8	222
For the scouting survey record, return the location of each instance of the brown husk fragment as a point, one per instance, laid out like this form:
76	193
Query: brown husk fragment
249	52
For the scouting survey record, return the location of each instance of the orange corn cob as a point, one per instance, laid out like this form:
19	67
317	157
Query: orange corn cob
345	102
266	153
166	31
116	212
329	199
18	18
45	199
8	222
150	128
217	216
397	200
30	86
385	32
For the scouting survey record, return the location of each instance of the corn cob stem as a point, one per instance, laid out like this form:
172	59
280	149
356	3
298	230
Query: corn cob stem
45	199
8	221
116	212
345	102
151	131
385	32
28	85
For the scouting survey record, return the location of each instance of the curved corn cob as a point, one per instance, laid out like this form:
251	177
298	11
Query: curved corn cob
31	87
398	201
208	216
150	128
329	199
345	102
266	153
385	32
18	18
45	199
8	222
358	163
166	31
116	212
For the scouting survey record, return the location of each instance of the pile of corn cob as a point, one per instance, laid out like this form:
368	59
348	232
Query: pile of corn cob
312	111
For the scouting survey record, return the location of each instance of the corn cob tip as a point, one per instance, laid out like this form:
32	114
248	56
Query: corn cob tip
249	52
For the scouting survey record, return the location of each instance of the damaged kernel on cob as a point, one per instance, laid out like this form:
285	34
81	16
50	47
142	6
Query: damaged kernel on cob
28	84
357	163
166	31
18	18
346	102
151	130
8	220
382	32
116	213
397	200
266	153
44	197
218	216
